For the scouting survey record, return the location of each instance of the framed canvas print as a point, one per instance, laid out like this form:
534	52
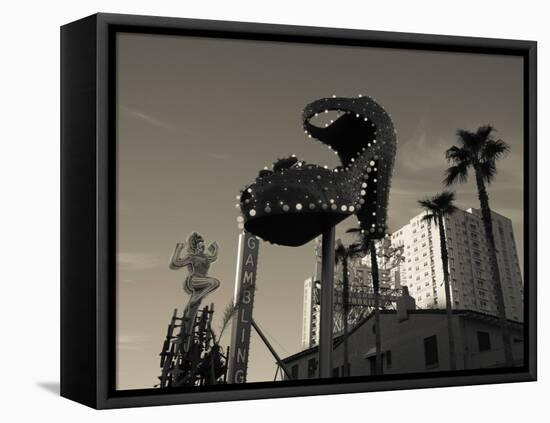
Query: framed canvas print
257	211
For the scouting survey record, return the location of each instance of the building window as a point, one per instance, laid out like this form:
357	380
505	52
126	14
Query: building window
388	359
335	372
483	341
294	371
430	351
311	367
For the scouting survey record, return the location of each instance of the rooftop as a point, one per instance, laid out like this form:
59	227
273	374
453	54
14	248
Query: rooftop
471	314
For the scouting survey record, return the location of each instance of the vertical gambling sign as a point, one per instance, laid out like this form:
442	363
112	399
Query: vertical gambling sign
245	285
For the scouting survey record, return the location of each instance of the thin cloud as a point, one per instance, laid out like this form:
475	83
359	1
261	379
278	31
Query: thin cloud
146	118
421	152
137	261
219	156
408	192
129	342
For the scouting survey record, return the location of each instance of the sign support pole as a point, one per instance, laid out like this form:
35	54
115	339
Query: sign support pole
327	292
282	365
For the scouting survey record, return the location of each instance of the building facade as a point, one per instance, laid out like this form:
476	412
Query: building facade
416	341
471	280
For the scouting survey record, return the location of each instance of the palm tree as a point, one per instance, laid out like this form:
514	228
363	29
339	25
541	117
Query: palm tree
437	207
479	151
342	255
365	245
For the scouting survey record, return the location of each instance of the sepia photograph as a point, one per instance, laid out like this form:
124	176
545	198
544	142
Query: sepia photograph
290	212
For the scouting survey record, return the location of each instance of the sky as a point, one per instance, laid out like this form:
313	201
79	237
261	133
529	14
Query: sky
198	117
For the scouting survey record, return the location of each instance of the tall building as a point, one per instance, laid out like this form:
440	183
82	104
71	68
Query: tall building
311	316
471	280
310	322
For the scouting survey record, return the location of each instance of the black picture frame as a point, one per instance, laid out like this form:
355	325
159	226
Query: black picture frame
88	197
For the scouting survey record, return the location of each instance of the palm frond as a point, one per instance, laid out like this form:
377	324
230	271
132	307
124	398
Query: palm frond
429	218
444	200
456	155
450	210
427	204
488	170
469	140
457	173
228	313
494	150
484	132
439	205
